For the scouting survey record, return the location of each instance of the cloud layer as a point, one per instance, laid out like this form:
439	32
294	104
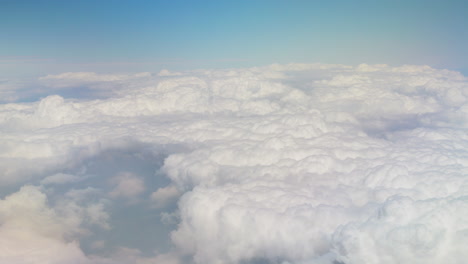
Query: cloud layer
298	163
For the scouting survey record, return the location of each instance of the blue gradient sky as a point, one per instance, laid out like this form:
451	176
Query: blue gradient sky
40	36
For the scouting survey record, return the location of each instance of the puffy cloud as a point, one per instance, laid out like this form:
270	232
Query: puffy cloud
168	73
60	178
80	78
127	185
32	232
7	90
289	163
163	196
403	229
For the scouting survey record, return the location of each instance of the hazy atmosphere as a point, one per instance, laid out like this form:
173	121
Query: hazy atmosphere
233	132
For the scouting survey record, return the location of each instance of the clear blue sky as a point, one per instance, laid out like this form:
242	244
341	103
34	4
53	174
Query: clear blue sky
40	36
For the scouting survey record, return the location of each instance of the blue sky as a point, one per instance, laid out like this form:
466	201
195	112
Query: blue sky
41	36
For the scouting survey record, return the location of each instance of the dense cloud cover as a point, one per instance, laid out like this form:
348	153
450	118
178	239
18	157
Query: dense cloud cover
280	164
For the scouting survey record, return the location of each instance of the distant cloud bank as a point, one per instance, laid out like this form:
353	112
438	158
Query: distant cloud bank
296	163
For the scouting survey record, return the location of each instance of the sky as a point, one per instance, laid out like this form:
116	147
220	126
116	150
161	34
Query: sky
51	36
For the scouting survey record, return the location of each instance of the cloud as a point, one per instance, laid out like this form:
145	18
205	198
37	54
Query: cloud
60	178
80	78
32	232
417	230
127	185
163	196
168	73
292	163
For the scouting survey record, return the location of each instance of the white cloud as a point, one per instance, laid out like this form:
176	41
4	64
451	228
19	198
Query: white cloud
32	232
162	196
134	256
168	73
18	246
68	79
127	185
60	178
295	163
403	229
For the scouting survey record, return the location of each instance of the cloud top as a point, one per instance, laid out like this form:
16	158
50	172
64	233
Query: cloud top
289	163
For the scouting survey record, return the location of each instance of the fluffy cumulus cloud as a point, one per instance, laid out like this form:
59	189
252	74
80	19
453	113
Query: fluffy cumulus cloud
33	232
126	185
299	163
